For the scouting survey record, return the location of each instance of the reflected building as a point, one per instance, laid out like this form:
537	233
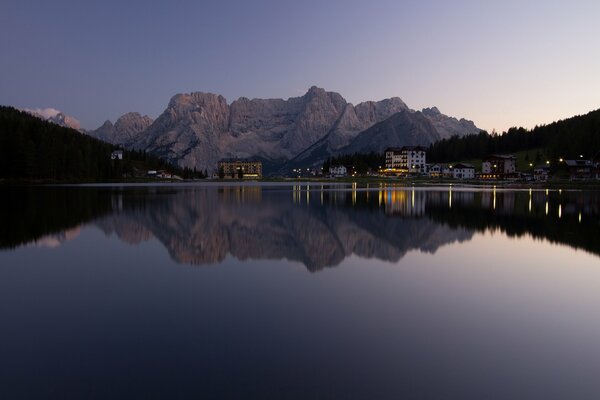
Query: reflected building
316	225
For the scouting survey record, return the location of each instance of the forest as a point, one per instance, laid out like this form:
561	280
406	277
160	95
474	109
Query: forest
32	149
569	139
572	138
356	163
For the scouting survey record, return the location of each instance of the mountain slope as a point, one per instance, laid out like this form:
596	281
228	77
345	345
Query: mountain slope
126	131
35	149
401	129
55	116
197	129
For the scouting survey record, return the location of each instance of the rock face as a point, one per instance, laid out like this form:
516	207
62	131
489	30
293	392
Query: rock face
127	131
197	129
404	128
449	126
55	116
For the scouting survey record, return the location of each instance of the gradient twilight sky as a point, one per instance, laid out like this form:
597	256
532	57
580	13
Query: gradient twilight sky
498	63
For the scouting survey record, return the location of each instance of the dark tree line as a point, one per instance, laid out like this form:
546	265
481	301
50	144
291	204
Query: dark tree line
33	149
568	138
359	163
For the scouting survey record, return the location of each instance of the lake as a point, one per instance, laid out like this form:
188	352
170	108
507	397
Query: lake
285	291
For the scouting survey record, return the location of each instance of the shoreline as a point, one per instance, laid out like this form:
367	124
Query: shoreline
397	182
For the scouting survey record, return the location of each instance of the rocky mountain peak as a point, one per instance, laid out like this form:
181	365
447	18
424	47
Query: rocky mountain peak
131	124
315	90
126	131
107	124
55	116
432	111
199	128
196	99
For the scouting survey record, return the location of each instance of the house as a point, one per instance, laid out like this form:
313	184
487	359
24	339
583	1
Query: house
498	167
246	169
164	175
116	155
463	171
439	171
580	169
435	170
541	173
405	160
447	171
338	170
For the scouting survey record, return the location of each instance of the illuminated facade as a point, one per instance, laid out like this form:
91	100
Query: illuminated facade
439	171
249	169
405	160
541	173
580	169
338	171
498	167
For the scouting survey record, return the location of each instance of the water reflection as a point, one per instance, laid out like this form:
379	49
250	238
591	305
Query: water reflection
318	225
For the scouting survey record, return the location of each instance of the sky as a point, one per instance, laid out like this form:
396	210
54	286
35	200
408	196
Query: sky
498	63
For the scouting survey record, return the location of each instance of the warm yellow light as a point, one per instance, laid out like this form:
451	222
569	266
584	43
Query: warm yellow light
560	211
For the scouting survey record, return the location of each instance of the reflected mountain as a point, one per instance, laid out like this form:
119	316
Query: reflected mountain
204	225
316	225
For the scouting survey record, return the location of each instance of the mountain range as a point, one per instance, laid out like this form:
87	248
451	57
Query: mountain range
197	129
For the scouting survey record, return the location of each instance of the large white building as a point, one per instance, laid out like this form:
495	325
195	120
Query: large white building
405	160
338	170
463	171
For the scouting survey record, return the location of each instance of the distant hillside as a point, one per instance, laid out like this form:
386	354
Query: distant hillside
569	138
32	149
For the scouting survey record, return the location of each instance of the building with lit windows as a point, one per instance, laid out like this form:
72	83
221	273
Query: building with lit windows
498	167
234	169
338	171
405	160
541	173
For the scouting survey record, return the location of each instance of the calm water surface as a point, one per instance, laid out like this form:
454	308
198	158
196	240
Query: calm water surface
282	291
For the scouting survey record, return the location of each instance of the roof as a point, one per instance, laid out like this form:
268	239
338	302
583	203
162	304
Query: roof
463	166
237	160
579	163
500	157
413	148
405	148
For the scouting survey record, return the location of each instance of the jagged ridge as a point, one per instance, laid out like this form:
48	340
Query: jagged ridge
197	129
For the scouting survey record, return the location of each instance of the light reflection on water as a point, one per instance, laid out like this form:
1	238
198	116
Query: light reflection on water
436	292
